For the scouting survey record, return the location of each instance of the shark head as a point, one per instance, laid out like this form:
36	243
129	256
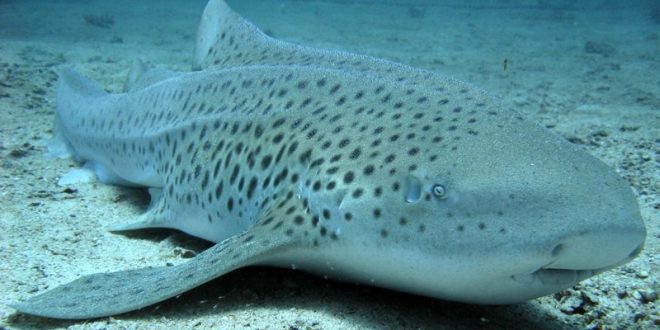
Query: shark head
491	210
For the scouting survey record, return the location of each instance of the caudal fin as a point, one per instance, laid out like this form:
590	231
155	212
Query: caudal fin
105	294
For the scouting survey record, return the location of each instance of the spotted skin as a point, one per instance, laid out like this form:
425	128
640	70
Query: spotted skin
342	165
234	142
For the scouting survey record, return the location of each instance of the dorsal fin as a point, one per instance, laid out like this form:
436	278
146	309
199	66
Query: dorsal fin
225	39
138	68
142	75
72	84
219	24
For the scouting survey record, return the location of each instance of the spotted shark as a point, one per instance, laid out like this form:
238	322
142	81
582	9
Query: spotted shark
343	165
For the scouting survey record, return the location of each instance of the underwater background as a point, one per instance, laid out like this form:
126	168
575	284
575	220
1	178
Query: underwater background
587	70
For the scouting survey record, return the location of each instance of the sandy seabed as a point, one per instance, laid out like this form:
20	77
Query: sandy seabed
589	73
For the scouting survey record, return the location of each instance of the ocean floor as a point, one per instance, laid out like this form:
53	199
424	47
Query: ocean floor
590	73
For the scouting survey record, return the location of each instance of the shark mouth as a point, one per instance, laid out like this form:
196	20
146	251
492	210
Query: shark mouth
555	277
549	276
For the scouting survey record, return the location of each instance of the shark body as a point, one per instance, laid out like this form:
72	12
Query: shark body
343	165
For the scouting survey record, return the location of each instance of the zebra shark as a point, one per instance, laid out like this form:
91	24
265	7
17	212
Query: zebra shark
344	165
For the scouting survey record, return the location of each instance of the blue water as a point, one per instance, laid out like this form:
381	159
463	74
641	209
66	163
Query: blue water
503	46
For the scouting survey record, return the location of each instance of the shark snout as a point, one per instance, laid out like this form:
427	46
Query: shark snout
573	257
602	227
597	250
594	221
589	223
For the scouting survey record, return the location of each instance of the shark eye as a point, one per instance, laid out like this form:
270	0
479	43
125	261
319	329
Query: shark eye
439	191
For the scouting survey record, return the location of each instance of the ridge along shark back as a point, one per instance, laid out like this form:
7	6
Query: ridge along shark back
347	166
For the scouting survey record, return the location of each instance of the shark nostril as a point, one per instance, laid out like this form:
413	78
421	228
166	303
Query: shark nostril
413	189
557	250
